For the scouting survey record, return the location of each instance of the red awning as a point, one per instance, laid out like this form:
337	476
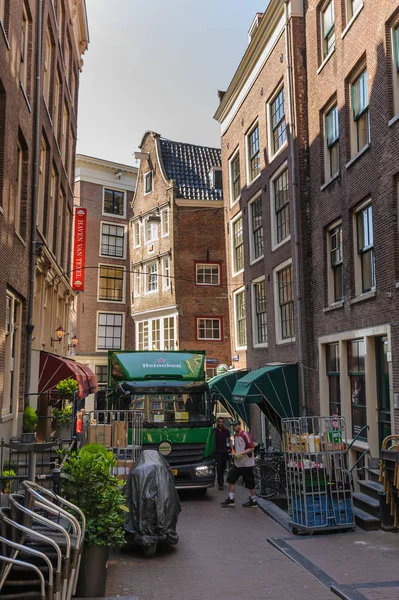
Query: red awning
54	368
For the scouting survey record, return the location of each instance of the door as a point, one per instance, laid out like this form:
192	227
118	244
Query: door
383	395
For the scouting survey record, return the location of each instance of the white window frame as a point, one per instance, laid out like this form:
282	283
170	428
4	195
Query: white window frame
212	173
48	62
136	226
145	176
255	342
231	185
252	259
209	339
111	215
350	13
330	270
166	277
325	55
250	181
137	280
111	266
358	262
235	294
207	264
18	190
273	223
64	131
272	153
12	357
2	11
165	220
328	176
232	222
110	312
354	151
148	265
277	315
162	320
395	68
24	51
124	240
153	227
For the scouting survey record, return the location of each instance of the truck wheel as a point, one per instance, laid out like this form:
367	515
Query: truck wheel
149	551
202	491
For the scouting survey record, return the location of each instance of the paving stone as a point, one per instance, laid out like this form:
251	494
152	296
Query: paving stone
222	552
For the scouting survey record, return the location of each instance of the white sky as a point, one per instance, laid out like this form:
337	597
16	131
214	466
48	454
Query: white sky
157	64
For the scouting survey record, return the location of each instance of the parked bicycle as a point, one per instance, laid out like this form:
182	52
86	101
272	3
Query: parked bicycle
269	472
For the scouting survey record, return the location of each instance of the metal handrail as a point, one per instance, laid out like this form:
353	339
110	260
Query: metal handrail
357	436
353	468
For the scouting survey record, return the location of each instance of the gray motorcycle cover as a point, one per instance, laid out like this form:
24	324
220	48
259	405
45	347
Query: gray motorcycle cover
153	502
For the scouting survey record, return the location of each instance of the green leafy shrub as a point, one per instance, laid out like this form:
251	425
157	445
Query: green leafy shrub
62	416
67	387
90	484
6	484
30	420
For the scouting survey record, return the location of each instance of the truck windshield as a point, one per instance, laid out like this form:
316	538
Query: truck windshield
177	409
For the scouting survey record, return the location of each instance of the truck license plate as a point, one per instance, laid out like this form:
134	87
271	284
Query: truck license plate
174	471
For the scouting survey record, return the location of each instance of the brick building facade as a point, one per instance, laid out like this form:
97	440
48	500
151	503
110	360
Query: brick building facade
261	170
101	319
340	111
353	104
177	251
42	43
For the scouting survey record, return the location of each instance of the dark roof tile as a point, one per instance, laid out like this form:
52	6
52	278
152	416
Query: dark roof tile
189	166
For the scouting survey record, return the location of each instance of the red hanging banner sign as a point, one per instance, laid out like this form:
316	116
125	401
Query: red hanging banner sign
79	250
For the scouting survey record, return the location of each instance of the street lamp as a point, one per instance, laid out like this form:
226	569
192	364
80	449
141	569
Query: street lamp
74	342
59	332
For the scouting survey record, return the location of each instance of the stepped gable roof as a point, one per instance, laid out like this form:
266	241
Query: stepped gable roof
189	166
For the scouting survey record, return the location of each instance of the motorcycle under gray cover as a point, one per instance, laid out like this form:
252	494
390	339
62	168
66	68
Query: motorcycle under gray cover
153	502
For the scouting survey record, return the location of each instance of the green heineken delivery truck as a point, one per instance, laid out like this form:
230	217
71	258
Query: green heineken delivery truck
169	388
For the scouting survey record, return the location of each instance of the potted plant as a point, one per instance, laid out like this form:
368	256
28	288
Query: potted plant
6	484
90	484
30	420
66	388
62	419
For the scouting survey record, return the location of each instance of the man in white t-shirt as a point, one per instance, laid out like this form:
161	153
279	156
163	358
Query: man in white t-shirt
243	466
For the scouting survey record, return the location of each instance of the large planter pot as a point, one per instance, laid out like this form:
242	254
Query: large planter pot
28	438
63	432
93	572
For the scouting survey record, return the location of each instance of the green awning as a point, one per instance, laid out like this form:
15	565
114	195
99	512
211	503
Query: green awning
274	388
222	386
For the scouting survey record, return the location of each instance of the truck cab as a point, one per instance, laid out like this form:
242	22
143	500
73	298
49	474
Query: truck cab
170	390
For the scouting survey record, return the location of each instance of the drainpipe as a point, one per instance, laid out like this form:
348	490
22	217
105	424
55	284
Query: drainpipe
35	190
292	147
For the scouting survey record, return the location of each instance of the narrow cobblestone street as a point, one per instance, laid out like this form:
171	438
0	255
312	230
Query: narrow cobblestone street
222	553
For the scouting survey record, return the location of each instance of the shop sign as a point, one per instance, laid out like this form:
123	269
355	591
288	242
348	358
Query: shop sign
79	250
236	357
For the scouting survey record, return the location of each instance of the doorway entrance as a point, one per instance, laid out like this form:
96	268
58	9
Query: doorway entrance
383	395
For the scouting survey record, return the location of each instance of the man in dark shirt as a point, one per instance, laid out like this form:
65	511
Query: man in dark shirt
222	443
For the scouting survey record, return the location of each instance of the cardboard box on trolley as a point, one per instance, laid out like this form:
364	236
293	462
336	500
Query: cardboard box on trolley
119	434
100	434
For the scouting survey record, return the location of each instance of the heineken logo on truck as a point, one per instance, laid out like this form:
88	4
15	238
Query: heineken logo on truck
165	448
161	363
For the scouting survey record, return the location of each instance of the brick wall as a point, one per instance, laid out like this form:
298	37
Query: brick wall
373	175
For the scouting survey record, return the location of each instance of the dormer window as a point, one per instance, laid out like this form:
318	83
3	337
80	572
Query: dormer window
216	178
148	180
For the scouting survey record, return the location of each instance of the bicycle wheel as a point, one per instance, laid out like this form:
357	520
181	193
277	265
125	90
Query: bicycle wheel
267	480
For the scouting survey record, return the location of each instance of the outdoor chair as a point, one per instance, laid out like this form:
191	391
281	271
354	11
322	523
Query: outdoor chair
38	523
30	542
